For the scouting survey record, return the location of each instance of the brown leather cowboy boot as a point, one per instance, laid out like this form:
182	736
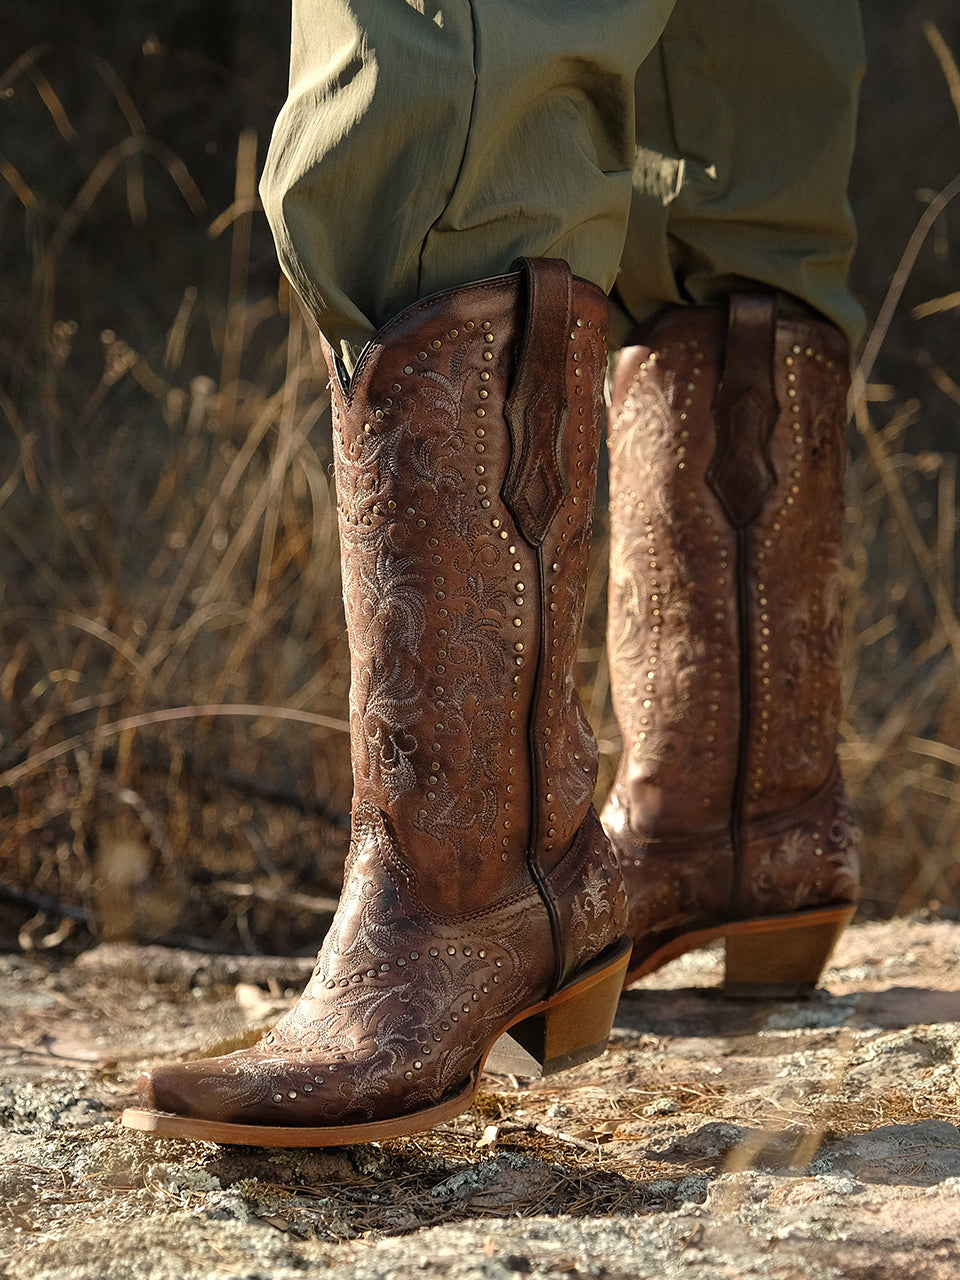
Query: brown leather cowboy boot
728	812
480	892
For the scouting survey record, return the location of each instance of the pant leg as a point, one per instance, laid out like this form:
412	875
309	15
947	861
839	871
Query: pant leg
746	114
424	145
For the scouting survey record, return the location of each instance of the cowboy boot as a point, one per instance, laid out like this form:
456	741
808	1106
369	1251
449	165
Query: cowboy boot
480	894
728	811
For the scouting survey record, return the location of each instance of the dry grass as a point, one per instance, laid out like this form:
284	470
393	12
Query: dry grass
173	665
900	747
173	671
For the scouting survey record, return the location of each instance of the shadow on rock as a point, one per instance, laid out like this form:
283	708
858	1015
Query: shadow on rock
909	1155
698	1012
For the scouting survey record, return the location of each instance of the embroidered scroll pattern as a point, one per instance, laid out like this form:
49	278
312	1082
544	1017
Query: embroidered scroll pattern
427	602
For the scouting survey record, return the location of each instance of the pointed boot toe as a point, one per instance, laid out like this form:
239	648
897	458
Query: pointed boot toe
146	1091
177	1088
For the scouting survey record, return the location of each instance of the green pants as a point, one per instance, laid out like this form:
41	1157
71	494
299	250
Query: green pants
668	149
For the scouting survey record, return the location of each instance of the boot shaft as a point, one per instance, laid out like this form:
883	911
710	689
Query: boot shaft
465	452
726	568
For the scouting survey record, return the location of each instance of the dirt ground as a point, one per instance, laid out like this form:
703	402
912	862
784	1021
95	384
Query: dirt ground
813	1139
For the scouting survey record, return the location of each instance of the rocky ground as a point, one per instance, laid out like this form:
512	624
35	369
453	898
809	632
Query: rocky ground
813	1139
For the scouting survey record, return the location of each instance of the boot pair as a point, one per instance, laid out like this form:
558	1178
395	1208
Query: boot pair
484	914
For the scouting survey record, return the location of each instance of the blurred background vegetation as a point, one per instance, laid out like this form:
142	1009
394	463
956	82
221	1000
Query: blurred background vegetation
173	667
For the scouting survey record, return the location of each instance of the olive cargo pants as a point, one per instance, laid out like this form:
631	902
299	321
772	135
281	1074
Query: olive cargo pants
668	149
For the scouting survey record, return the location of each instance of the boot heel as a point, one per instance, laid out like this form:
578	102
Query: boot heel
571	1027
782	957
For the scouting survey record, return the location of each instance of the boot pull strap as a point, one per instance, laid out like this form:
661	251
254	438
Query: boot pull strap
745	409
537	408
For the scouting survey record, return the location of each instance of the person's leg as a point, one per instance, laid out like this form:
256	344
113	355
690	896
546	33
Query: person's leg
746	118
424	146
427	146
727	453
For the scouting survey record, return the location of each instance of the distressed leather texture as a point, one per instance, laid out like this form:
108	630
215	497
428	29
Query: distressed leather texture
479	879
725	619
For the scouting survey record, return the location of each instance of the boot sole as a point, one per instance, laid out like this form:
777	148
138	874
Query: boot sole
771	956
569	1027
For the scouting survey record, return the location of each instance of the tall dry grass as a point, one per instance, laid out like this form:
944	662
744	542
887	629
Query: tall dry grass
173	664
